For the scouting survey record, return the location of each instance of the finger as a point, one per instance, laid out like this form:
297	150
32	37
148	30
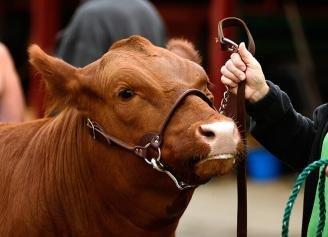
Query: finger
234	70
238	62
229	83
233	90
326	171
245	55
225	72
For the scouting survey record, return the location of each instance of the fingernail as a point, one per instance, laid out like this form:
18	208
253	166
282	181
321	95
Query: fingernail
242	76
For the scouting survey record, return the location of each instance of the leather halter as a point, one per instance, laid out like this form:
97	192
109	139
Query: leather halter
231	46
149	147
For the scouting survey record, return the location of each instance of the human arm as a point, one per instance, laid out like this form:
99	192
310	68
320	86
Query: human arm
11	96
275	123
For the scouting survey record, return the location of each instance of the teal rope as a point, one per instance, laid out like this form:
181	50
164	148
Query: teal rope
296	189
322	203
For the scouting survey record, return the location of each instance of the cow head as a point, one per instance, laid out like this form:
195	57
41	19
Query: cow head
131	89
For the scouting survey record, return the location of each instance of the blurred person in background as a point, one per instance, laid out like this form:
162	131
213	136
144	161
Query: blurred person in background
293	138
12	105
97	24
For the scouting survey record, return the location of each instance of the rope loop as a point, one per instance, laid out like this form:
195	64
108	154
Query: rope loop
296	189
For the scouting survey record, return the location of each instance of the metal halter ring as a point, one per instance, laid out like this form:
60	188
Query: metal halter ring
150	162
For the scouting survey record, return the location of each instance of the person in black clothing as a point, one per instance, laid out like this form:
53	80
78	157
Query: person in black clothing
293	138
97	24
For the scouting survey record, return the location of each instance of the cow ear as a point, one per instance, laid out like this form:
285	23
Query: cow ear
60	77
65	83
184	49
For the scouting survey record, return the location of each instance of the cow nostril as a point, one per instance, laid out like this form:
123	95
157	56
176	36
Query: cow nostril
206	132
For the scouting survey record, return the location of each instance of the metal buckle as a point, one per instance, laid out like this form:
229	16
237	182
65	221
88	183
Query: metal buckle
91	125
150	162
159	166
229	45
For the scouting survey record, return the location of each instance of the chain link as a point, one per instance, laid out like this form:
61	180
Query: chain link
224	101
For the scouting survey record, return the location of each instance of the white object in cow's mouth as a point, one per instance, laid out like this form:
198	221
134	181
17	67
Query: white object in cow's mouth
223	156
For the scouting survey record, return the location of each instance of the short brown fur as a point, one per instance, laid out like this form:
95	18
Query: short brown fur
56	180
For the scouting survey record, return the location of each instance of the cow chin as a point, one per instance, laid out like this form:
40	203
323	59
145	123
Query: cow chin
211	168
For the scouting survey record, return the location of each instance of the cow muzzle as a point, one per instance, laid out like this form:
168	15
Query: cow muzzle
223	139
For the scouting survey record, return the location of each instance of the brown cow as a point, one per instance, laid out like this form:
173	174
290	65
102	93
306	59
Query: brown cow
60	177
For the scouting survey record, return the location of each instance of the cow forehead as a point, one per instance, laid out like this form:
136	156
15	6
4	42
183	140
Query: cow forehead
143	58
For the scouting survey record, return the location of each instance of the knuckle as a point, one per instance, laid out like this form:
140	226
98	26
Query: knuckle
226	81
223	79
229	63
233	56
223	69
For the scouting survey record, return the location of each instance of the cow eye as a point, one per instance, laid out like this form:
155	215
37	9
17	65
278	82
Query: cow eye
126	94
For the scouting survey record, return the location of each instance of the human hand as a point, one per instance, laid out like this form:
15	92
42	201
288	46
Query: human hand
327	171
243	66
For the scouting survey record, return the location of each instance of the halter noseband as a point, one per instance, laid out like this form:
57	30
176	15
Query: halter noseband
149	147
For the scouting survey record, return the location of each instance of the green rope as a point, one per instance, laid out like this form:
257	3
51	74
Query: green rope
296	189
322	203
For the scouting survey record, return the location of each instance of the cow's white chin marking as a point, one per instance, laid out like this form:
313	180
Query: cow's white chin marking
223	156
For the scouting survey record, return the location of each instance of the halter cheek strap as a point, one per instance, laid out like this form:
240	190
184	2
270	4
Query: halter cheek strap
149	146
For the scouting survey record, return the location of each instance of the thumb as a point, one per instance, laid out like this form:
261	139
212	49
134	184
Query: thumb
245	55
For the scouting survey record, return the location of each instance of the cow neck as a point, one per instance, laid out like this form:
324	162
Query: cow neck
141	199
66	173
102	200
149	147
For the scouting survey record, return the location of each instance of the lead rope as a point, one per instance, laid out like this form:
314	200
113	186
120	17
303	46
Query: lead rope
296	189
231	46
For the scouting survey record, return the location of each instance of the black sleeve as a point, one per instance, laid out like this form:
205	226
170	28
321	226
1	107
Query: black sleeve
280	129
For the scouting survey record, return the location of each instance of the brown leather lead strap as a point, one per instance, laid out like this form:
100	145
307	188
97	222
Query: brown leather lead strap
231	46
241	165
